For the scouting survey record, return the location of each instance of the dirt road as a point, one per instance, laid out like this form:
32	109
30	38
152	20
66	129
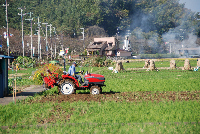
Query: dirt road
29	91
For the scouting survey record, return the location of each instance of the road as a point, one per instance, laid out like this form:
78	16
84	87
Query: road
29	91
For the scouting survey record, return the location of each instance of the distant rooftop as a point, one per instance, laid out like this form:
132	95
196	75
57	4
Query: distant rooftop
5	57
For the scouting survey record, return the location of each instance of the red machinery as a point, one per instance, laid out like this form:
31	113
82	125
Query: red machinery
68	84
51	80
94	82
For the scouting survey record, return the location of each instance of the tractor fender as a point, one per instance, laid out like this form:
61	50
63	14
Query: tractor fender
71	78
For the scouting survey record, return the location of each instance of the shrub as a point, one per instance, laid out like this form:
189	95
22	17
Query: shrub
28	62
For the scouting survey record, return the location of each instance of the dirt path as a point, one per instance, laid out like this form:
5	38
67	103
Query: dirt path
29	91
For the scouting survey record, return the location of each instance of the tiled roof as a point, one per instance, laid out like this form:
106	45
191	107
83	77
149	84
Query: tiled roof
91	46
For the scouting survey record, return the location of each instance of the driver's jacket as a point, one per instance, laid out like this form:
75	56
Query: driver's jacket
72	70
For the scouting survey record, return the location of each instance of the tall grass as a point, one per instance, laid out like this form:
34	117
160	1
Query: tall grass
164	80
103	116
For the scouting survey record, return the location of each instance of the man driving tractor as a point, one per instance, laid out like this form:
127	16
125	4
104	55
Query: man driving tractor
72	72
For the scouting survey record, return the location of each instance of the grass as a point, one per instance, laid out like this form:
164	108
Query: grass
162	63
164	80
23	80
27	71
110	116
110	128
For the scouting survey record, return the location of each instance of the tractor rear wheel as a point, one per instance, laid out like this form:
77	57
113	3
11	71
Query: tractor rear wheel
95	90
67	87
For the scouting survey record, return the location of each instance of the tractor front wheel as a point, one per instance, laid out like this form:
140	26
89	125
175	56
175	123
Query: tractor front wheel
67	87
95	90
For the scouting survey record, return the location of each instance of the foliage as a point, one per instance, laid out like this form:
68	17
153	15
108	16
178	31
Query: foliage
69	16
96	61
28	62
51	91
99	61
38	79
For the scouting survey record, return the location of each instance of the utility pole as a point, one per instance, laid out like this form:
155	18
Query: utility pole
83	38
22	29
46	40
55	40
51	40
7	30
31	35
39	45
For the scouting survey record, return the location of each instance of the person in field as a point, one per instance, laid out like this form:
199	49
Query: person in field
72	72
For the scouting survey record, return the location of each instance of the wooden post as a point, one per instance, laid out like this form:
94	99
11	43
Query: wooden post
15	82
15	89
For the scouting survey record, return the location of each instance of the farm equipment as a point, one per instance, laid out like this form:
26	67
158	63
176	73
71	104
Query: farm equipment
68	84
51	80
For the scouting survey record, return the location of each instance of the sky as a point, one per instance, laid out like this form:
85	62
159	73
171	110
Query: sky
194	5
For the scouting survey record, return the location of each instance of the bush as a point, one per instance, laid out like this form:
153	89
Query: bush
97	61
28	62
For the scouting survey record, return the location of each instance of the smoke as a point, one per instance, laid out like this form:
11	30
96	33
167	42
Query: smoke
182	38
146	29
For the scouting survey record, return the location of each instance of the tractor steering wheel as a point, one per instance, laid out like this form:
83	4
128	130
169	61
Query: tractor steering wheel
82	72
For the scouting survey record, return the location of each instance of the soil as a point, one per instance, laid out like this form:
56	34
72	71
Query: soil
124	96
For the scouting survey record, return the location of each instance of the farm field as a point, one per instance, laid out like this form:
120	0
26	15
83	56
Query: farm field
140	101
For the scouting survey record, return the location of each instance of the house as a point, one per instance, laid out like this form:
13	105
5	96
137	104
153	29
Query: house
189	52
103	46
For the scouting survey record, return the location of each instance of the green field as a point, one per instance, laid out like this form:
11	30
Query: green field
108	117
115	113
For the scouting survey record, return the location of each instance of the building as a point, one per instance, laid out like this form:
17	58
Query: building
189	52
124	53
103	46
127	45
4	90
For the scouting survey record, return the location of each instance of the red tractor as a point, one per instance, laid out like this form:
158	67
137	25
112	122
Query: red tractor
68	84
